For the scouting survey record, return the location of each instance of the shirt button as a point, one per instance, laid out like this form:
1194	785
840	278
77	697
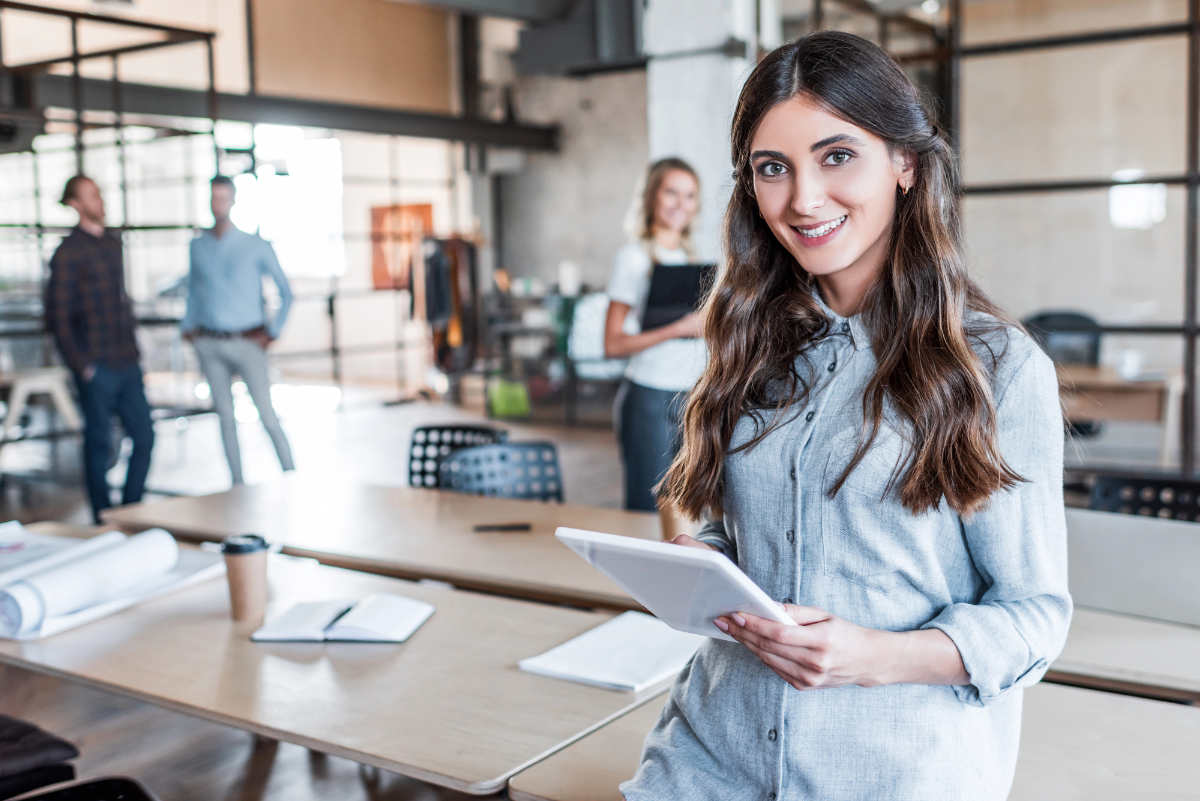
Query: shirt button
791	535
793	473
788	600
772	735
771	797
808	417
832	366
846	327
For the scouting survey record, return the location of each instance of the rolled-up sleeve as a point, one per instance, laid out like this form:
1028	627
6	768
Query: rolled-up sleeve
713	533
1018	543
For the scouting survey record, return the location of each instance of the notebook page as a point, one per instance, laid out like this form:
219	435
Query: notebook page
381	617
633	651
305	622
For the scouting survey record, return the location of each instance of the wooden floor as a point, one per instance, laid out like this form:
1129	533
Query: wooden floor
180	758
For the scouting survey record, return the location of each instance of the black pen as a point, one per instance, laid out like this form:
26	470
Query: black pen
503	527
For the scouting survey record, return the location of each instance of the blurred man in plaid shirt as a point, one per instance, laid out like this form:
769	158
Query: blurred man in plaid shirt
92	321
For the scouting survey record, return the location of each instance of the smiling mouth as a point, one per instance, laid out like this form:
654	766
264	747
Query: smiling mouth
817	231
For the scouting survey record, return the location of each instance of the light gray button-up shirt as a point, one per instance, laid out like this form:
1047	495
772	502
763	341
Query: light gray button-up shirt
225	290
995	582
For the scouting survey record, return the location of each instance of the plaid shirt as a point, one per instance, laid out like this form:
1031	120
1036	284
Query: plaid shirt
87	309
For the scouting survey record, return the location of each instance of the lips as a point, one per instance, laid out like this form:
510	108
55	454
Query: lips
820	233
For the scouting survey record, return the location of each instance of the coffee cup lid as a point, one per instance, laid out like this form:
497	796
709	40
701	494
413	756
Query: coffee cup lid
243	543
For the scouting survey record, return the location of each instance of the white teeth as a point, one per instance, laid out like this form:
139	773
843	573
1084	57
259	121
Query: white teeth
813	233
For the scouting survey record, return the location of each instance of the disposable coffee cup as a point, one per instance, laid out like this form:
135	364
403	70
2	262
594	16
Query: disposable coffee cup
246	569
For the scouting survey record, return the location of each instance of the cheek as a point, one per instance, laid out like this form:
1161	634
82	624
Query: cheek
773	200
870	196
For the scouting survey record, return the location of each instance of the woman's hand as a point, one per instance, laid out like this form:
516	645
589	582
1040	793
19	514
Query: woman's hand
822	651
692	542
689	326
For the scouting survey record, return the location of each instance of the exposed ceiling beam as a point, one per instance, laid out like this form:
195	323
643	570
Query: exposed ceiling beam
56	90
527	10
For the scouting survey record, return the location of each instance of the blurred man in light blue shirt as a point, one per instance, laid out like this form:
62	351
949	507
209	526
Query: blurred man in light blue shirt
227	321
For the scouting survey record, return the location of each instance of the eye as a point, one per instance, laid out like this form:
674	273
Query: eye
771	169
836	158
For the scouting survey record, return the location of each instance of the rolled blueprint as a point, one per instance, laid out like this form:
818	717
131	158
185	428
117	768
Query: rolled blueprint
92	579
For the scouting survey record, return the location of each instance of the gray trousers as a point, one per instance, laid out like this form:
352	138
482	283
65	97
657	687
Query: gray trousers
221	360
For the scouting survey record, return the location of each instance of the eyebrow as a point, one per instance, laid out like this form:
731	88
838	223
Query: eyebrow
826	142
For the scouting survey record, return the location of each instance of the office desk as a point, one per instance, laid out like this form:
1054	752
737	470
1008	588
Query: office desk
1131	654
1076	745
410	533
448	707
1099	393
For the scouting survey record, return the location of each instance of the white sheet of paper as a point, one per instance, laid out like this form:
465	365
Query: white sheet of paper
633	651
304	622
23	552
686	587
381	617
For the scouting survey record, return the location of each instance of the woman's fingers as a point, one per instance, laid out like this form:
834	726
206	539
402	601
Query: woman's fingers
810	635
691	542
805	656
791	672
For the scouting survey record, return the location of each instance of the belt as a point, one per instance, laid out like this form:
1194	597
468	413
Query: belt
211	334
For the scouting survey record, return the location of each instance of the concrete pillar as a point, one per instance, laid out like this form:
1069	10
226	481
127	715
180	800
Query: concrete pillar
692	84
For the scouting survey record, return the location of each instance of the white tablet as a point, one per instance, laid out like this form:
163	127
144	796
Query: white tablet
688	588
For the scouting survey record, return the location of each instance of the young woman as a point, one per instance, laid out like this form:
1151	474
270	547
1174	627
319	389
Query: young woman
879	448
664	362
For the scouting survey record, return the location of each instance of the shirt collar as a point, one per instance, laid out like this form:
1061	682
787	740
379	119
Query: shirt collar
853	326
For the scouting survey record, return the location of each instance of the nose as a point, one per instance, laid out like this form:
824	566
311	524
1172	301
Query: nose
808	193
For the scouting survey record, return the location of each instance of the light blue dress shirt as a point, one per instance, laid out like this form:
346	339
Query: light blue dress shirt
225	284
995	583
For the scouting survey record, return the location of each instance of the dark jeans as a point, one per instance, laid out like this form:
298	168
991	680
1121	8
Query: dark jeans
114	391
648	433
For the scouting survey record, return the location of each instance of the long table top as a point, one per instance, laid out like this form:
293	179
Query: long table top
449	706
411	533
1076	745
1131	654
425	533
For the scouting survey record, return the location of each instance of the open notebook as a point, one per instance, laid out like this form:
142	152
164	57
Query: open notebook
376	618
633	651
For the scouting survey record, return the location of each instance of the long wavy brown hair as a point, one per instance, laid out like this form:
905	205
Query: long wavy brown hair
761	315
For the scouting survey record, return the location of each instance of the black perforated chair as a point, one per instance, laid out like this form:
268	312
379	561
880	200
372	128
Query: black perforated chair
1068	338
526	470
1171	499
431	444
110	789
31	758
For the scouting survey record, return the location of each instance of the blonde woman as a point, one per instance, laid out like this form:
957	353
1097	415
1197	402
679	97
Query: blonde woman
664	362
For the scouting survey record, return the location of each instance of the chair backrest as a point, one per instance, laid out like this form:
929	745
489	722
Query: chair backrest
585	340
1171	499
431	444
1066	347
110	789
527	470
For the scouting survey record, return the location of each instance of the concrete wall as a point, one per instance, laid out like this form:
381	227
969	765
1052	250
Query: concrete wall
572	204
1081	112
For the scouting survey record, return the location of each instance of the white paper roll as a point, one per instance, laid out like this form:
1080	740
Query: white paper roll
95	578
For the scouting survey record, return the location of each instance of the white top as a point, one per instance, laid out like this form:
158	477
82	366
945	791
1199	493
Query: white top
674	365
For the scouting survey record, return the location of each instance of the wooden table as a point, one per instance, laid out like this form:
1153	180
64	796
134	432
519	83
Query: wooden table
1131	654
448	707
1099	393
1076	745
410	533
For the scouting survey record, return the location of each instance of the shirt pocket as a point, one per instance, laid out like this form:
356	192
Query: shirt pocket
867	537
